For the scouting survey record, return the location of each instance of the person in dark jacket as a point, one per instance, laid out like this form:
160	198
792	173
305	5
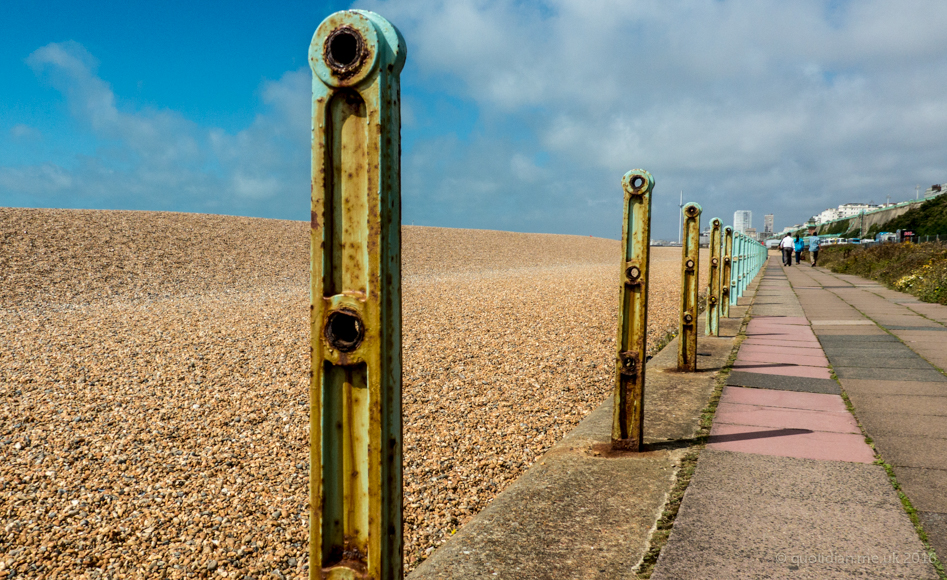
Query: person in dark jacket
785	246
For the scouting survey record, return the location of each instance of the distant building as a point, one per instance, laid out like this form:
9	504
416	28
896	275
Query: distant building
843	211
751	233
742	219
768	225
935	190
852	209
827	215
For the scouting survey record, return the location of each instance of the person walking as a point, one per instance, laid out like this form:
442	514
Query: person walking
797	246
786	246
814	243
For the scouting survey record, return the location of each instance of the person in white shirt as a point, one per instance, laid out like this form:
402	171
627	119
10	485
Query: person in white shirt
787	246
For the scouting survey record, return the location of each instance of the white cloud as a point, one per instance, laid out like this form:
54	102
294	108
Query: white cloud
777	106
25	132
767	105
158	159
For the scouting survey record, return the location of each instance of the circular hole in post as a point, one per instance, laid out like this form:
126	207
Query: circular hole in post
637	182
633	273
343	49
689	264
344	330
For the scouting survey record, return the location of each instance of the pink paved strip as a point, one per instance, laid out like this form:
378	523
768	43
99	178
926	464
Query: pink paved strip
759	416
785	370
786	399
800	443
810	360
780	336
811	343
779	332
801	320
796	350
784	327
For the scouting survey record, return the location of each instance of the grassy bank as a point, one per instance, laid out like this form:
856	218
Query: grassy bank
918	269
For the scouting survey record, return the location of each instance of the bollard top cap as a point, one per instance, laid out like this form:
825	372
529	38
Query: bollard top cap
692	209
350	46
637	182
715	223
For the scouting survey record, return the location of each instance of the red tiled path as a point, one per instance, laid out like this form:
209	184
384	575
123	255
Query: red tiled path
786	423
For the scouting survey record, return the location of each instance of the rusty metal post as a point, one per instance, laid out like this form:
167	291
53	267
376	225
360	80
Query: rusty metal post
690	283
735	264
355	523
739	265
628	408
727	251
712	328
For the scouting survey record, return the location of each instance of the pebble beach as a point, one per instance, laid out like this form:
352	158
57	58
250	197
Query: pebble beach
154	383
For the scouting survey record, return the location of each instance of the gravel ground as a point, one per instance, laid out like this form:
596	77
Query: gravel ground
154	391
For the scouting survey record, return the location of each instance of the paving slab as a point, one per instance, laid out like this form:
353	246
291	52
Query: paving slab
895	387
783	383
913	405
882	425
910	451
878	361
752	516
791	442
852	338
774	349
849	331
783	399
927	488
885	349
768	416
791	322
935	524
807	343
927	375
794	358
781	369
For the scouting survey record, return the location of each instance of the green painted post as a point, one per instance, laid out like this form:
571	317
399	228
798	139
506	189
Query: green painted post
727	251
735	272
743	265
690	283
355	524
628	407
712	328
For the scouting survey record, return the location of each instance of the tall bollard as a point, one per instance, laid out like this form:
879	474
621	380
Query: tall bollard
687	341
355	524
628	410
735	267
741	265
727	251
712	328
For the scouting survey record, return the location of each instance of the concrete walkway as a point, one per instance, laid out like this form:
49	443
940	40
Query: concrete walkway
787	486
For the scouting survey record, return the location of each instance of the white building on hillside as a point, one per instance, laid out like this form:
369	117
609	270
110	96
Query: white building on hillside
827	215
843	211
935	190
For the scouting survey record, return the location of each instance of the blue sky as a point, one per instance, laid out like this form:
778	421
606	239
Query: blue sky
518	116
